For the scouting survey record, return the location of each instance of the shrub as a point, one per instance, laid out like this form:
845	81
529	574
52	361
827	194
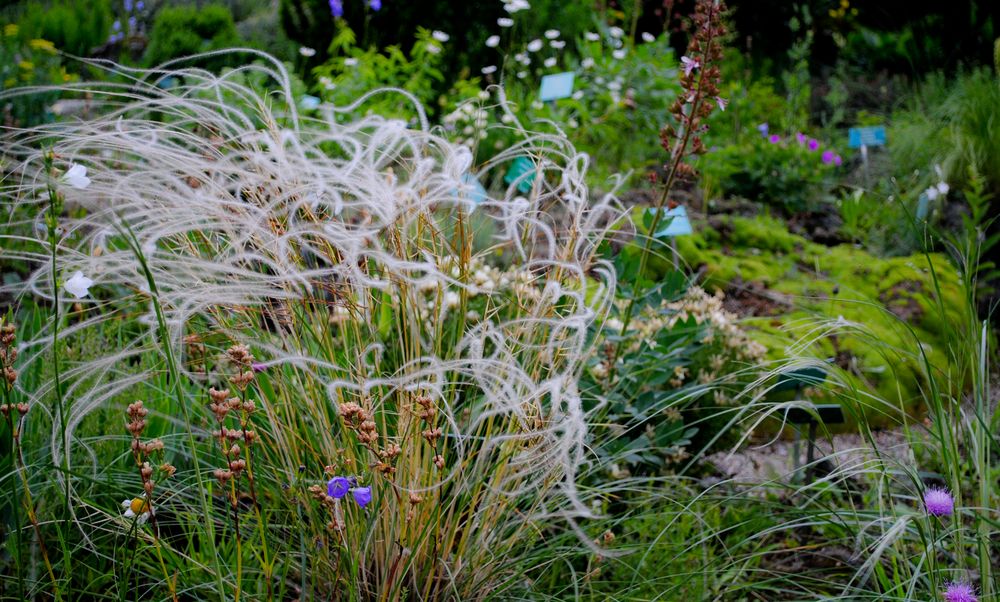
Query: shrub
74	26
31	63
671	386
793	173
180	31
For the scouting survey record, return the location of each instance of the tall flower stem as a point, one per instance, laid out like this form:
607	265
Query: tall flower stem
52	226
689	121
175	377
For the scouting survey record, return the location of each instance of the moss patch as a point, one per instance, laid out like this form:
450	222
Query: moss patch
886	304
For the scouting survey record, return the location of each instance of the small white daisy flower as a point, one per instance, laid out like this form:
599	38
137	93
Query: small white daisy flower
440	36
137	508
307	51
492	41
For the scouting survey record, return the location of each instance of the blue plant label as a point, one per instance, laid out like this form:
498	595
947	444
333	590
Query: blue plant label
556	86
923	206
679	224
869	136
471	189
521	174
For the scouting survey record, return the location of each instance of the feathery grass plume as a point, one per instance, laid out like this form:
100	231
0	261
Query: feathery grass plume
439	372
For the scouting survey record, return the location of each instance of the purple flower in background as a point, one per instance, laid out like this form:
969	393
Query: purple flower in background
131	23
258	366
774	139
375	5
690	64
813	144
828	157
117	25
128	5
837	160
337	8
338	487
960	592
763	129
362	495
140	5
938	502
800	138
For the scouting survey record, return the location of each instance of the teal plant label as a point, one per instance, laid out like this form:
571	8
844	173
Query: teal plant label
679	224
869	136
521	174
471	190
556	86
923	206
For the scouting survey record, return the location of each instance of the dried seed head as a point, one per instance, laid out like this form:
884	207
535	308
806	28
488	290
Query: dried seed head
10	375
240	355
241	380
223	475
432	435
148	486
218	396
22	408
439	461
391	451
234	451
351	409
168	469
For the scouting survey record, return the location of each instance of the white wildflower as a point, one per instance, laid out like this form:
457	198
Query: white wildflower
76	176
78	285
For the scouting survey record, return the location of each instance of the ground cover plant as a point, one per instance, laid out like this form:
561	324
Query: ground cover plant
325	301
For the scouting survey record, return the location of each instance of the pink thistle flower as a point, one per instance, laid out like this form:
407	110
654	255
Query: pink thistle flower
960	592
828	157
938	502
813	144
774	139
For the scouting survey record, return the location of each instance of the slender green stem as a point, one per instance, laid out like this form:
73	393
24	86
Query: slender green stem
175	377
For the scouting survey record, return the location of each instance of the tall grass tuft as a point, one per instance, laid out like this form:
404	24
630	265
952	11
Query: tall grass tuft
388	330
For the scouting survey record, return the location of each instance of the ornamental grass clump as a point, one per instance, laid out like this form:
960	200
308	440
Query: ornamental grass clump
414	425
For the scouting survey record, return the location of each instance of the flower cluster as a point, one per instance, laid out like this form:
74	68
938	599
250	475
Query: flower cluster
8	355
828	157
336	489
140	508
940	189
700	78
